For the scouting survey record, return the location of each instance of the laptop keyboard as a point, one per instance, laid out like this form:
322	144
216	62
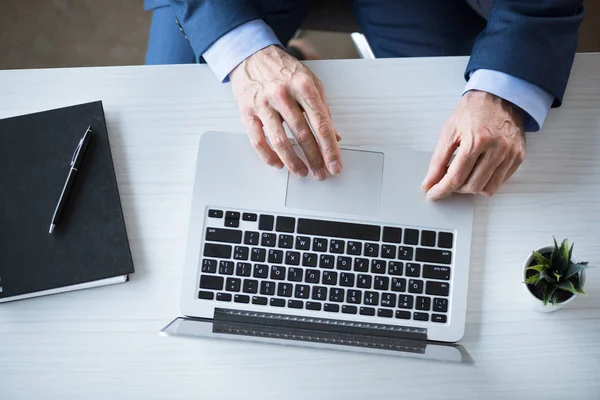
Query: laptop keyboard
325	265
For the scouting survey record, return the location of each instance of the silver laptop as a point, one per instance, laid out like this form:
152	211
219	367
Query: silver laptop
360	256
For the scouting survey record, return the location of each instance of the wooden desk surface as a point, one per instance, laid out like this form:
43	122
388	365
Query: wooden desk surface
103	343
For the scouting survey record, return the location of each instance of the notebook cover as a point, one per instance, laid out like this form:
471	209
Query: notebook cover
90	241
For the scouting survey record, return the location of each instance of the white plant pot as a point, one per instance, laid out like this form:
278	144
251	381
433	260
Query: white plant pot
536	303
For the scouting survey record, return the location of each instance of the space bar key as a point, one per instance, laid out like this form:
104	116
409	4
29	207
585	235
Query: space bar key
346	230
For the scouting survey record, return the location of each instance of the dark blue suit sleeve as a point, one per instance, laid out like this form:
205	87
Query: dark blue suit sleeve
534	40
205	21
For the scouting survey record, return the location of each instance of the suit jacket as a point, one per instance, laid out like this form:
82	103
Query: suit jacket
534	40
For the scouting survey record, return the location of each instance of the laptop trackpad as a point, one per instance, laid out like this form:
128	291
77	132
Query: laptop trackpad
357	190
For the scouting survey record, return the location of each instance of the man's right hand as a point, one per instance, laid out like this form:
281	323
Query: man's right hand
272	87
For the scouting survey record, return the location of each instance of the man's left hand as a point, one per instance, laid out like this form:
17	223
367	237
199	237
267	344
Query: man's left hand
488	133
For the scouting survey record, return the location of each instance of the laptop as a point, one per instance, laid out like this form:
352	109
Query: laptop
358	260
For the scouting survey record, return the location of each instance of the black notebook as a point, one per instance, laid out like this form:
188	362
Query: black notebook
89	246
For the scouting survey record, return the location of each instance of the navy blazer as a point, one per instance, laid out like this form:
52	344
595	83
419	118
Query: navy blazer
534	40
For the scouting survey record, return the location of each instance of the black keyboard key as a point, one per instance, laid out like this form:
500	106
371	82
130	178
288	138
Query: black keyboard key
438	318
309	260
258	254
265	222
224	297
403	314
284	289
354	296
268	240
302	291
342	230
423	303
388	300
445	240
381	283
312	276
319	293
361	265
378	266
395	267
385	313
215	213
233	284
277	302
428	238
285	224
217	250
209	266
434	256
211	282
332	307
251	238
344	263
347	279
337	295
240	253
205	295
337	246
241	298
437	288
326	261
223	235
285	241
349	309
436	272
232	215
330	277
354	248
261	271
267	288
295	304
277	272
364	281
413	270
243	269
292	257
249	217
319	244
392	235
371	299
398	285
294	274
302	243
262	301
275	256
420	316
415	286
232	223
406	301
371	250
411	236
226	267
367	311
405	253
388	251
311	305
440	305
250	286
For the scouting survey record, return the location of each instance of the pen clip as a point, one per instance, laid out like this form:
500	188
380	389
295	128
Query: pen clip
76	152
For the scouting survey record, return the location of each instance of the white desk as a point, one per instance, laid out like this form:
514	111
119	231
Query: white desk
103	343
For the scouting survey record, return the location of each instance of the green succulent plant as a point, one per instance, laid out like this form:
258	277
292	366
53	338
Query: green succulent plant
556	274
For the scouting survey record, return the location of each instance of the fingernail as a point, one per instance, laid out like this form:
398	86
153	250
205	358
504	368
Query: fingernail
302	173
335	167
320	174
423	184
278	166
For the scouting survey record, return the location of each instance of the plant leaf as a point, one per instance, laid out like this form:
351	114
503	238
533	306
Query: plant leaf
548	293
538	268
574	269
562	261
567	286
541	260
570	252
547	277
557	276
533	279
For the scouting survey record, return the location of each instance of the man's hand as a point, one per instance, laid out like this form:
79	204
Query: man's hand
272	87
488	132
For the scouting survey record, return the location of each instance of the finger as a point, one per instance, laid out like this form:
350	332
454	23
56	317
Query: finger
273	127
254	129
497	178
458	172
513	168
482	172
320	121
438	165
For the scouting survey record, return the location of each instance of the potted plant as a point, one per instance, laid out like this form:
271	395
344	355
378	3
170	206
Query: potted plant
554	277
